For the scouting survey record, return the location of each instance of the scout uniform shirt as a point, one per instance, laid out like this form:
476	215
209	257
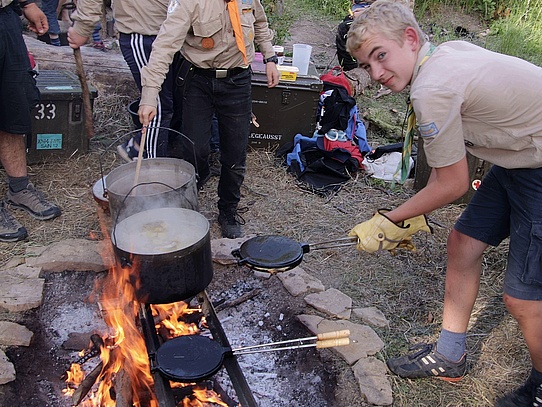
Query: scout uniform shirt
465	96
131	16
202	30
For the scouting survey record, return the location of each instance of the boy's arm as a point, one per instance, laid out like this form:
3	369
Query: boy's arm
445	185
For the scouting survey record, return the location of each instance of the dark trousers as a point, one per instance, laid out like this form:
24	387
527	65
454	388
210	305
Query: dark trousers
18	91
136	49
230	99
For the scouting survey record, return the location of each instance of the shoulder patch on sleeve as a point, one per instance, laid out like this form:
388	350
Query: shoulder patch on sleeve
428	130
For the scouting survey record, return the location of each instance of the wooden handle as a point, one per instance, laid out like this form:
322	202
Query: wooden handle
345	333
330	343
89	126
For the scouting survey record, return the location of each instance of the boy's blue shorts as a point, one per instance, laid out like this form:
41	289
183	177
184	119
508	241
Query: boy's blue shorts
509	203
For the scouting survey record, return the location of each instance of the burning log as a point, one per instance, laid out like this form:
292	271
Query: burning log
86	384
123	390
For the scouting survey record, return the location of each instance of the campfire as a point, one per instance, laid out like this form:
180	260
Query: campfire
120	373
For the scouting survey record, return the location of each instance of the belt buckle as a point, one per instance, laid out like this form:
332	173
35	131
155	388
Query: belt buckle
221	73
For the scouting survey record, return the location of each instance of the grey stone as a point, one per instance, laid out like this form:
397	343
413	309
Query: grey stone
373	383
74	255
297	281
331	302
21	289
221	249
363	339
7	370
372	316
12	334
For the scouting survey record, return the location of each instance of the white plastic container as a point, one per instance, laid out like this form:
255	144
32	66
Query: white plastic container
279	51
301	58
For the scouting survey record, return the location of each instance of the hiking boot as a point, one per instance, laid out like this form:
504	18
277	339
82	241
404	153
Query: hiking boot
230	223
34	202
10	229
528	395
427	362
128	151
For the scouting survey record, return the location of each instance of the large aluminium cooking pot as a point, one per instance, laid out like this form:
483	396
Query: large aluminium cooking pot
168	251
162	183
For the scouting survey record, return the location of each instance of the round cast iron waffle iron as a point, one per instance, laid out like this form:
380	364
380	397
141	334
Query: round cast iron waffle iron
190	358
271	252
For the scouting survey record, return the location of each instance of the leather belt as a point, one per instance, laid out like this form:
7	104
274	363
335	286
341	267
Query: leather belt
219	73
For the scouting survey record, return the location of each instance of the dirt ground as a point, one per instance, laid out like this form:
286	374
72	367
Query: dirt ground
408	287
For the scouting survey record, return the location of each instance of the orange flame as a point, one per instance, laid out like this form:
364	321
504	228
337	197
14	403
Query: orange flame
125	346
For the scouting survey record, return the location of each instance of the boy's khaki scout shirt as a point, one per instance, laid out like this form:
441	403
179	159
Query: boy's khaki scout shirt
131	16
202	30
466	97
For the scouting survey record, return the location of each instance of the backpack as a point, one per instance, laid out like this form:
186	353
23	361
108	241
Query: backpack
317	169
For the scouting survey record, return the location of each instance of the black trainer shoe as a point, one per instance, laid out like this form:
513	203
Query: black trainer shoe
230	223
528	395
33	201
10	229
427	362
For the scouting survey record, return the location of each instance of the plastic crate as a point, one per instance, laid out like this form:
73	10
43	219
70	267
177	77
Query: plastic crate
58	130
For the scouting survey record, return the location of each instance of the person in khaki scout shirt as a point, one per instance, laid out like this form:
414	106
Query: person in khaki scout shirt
138	23
217	79
465	98
18	95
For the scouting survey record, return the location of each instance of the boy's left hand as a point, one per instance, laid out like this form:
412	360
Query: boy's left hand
380	233
272	74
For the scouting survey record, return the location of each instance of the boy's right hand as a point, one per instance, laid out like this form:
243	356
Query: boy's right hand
146	114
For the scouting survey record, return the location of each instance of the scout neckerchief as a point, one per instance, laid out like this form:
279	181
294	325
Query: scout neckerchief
233	10
411	128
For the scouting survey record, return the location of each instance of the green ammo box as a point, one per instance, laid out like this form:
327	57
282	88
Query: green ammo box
58	120
285	110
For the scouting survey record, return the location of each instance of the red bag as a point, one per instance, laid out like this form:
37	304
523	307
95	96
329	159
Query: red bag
336	77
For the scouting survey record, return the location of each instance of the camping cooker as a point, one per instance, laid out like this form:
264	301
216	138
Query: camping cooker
193	358
168	251
274	253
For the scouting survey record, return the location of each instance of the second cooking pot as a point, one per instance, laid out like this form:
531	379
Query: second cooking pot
168	251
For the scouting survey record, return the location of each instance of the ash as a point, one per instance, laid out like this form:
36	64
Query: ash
281	378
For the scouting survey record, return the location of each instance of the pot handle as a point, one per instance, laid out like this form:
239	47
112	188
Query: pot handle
240	261
344	241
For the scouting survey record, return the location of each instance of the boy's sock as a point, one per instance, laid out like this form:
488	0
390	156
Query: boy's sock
55	41
536	376
452	345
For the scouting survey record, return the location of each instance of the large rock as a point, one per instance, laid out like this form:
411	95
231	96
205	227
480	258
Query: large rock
297	281
12	334
363	339
373	383
73	255
21	289
331	302
372	316
7	370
